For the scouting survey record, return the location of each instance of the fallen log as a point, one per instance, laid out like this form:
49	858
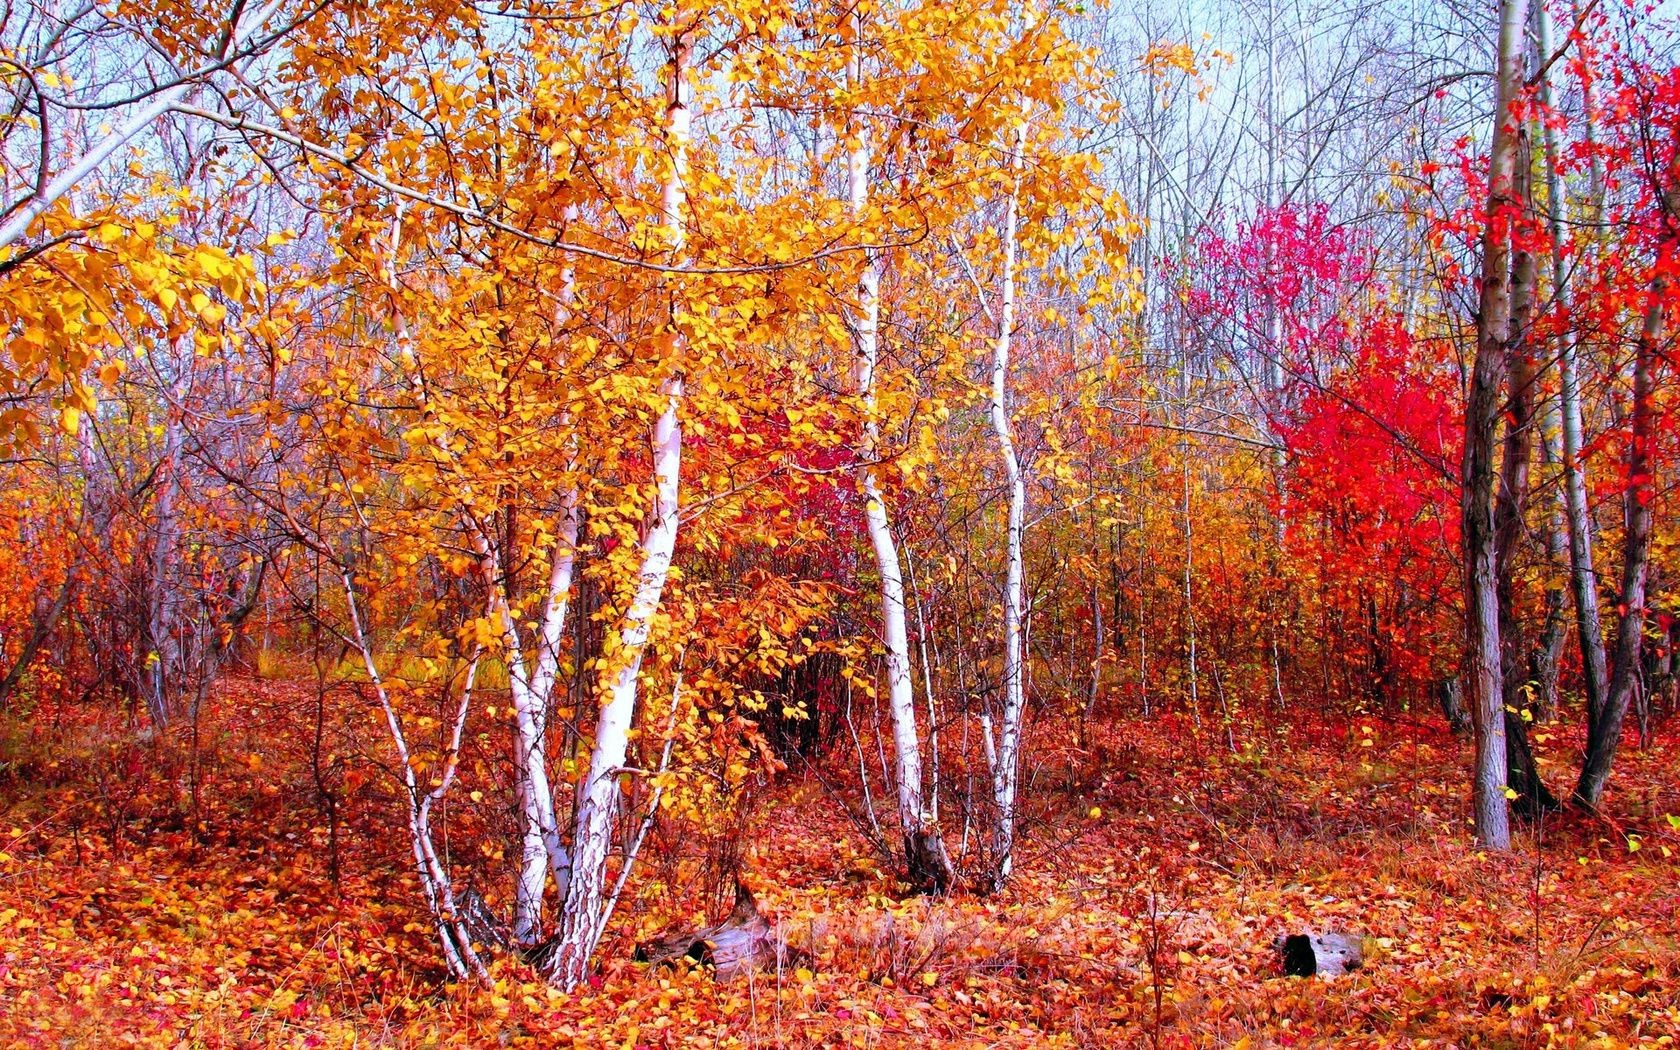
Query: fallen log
742	942
1327	954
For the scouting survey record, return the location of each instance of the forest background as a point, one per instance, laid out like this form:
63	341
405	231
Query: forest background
1025	503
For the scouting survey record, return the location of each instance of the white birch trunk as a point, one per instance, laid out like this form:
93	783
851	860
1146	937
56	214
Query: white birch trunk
1604	726
541	852
530	683
1005	770
920	837
585	909
435	886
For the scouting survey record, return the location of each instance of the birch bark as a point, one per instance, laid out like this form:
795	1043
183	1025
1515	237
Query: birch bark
1005	772
584	909
925	859
1604	727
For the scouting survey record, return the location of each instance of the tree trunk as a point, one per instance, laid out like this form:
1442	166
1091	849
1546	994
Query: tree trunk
926	863
41	629
1547	651
162	649
1583	581
532	687
1604	731
1483	665
584	909
1449	693
1510	508
455	938
541	853
1005	774
530	681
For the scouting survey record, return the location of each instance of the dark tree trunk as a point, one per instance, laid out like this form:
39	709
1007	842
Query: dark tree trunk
926	861
1483	665
1544	656
1449	693
1510	509
39	632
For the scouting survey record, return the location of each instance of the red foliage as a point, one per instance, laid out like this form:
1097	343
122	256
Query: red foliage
1371	501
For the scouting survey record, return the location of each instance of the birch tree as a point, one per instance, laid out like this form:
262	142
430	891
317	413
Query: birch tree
1006	753
585	906
924	850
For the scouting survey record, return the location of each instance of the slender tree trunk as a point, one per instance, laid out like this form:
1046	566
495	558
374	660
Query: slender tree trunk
926	862
532	688
436	887
162	647
1547	652
1099	643
1583	581
530	681
585	907
1005	773
1189	563
1510	509
1604	732
1483	665
541	852
41	629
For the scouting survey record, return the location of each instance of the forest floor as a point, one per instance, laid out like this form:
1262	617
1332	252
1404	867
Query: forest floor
1157	874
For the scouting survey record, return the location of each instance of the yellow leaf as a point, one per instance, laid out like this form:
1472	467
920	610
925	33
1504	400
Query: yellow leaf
70	419
212	264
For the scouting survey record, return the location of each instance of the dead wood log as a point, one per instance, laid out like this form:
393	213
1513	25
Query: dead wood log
1327	954
742	942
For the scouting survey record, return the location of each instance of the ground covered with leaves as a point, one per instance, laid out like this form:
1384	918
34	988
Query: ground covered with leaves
148	897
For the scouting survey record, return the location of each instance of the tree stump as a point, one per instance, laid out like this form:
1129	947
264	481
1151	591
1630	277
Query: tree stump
478	922
926	862
1449	693
1327	954
742	942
